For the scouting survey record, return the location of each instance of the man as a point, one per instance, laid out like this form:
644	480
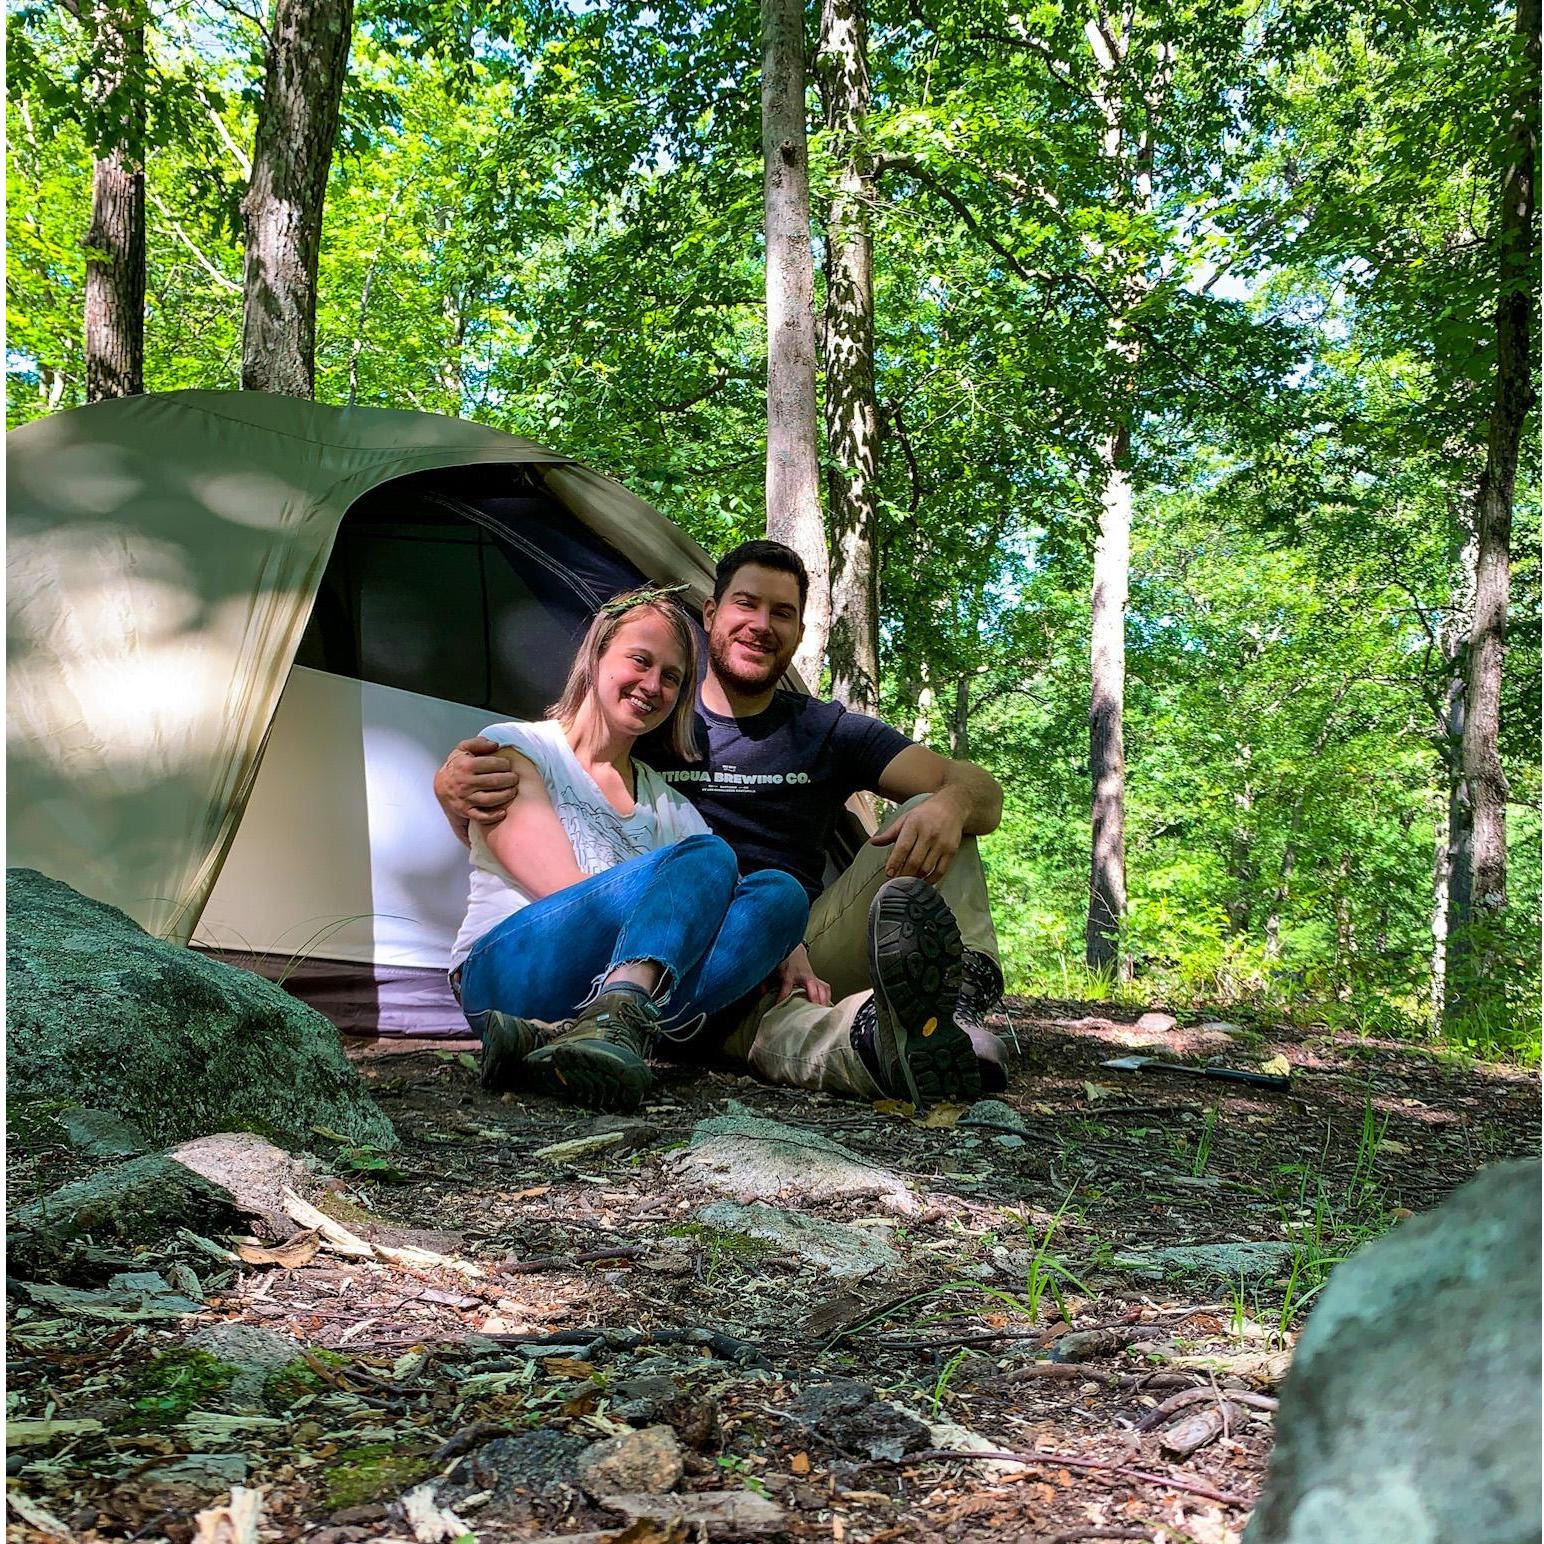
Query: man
882	1000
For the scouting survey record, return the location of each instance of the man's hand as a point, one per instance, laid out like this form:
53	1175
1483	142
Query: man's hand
475	784
797	974
924	840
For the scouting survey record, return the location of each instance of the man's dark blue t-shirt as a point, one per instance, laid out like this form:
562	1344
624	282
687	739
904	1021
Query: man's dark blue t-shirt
772	785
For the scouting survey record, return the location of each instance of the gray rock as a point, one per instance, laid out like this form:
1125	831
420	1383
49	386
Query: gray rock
1262	1261
142	1201
754	1159
646	1462
1008	1142
102	1014
1221	1027
1411	1413
853	1418
128	1296
536	1463
251	1170
844	1251
1156	1022
993	1112
721	1514
189	1481
254	1352
102	1134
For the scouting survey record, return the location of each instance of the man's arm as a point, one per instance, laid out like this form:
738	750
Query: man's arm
476	783
966	800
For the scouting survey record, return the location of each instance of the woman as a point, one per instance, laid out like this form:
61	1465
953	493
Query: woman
602	896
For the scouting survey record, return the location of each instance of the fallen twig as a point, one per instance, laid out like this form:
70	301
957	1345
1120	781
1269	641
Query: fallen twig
1195	1396
557	1261
716	1341
1071	1534
1066	1461
350	1244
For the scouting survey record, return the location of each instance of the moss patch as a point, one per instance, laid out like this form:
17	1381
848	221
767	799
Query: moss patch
367	1473
175	1383
725	1240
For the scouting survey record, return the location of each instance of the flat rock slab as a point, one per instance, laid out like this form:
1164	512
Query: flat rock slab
535	1463
130	1296
251	1170
725	1514
141	1201
103	1134
253	1351
834	1247
1411	1412
647	1462
755	1159
100	1013
1212	1262
1156	1022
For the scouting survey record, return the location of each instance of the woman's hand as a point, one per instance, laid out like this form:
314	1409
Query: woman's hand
797	974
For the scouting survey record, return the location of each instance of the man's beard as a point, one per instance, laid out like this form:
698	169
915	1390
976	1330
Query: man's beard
719	651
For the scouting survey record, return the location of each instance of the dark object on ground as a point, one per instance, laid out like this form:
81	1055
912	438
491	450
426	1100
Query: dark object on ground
102	1014
855	1421
1222	1074
1412	1409
536	1463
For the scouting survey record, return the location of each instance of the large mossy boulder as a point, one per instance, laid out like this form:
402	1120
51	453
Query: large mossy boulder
99	1013
1411	1414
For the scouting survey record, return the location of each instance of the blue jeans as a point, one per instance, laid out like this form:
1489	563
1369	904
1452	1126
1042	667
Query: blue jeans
684	907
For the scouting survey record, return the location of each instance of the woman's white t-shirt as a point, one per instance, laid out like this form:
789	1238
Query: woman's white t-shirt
600	837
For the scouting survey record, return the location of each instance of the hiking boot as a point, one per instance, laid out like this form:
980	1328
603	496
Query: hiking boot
601	1058
981	993
507	1041
916	1051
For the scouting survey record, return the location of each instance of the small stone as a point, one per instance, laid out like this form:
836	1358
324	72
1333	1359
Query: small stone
844	1251
724	1514
103	1134
253	1351
535	1463
1254	1261
993	1112
1221	1027
850	1415
646	1462
580	1147
1008	1142
1156	1023
754	1159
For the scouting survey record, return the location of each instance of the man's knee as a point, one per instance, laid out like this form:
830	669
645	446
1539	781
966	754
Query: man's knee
784	904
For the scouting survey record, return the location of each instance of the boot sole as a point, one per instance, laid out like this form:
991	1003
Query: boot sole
589	1074
502	1066
915	964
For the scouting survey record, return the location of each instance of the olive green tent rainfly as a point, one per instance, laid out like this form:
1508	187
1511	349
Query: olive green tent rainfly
244	629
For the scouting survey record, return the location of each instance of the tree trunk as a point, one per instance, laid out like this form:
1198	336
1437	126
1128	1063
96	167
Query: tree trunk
959	721
852	417
1483	774
922	720
115	242
793	461
1284	879
1106	733
282	211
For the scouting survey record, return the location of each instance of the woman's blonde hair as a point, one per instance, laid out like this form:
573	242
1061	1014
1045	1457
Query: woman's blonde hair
608	621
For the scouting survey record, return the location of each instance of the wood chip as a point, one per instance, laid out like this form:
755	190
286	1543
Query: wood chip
233	1523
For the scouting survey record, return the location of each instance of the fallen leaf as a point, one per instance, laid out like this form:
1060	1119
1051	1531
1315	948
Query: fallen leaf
233	1523
580	1147
30	1512
430	1522
1099	1093
943	1115
1389	1145
566	1367
291	1254
894	1107
1044	1492
1277	1066
467	1060
800	1463
530	1192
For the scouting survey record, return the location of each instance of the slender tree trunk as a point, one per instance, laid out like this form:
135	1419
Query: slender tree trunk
1284	879
852	417
1441	881
922	720
959	721
282	211
793	460
1106	732
115	242
1511	407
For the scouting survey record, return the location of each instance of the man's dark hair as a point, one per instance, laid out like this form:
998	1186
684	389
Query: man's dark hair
764	554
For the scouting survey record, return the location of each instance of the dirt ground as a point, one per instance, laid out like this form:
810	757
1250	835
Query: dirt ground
1014	1235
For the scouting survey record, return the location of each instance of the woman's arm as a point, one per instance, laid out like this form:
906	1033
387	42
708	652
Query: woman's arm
530	842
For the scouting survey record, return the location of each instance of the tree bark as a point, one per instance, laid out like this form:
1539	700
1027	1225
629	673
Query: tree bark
852	417
1483	775
1106	732
115	241
959	721
793	461
282	212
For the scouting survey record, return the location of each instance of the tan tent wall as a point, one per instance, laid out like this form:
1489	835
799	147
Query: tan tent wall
164	553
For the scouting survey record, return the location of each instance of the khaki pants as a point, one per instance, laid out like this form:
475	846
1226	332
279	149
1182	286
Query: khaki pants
805	1046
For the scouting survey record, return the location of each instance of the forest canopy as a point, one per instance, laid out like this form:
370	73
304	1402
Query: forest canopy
1230	283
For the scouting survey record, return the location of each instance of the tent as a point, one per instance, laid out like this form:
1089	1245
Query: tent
245	629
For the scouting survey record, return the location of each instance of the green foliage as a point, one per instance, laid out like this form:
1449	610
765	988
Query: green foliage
548	218
174	1383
